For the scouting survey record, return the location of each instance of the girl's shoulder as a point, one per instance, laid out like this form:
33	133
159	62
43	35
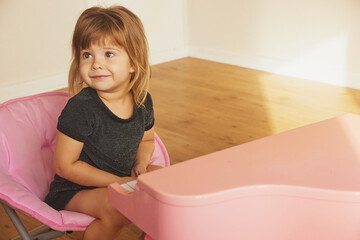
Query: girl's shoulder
148	100
85	94
81	101
147	105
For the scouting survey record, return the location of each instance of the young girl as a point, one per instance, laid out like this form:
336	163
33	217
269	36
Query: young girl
106	131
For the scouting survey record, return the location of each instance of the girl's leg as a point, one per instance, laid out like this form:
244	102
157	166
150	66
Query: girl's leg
95	203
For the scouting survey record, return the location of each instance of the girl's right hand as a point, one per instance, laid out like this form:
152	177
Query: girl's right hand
138	169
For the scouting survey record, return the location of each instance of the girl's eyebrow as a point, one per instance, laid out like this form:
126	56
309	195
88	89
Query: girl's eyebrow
112	48
106	48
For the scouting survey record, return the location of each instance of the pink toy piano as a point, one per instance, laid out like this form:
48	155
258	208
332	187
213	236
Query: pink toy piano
300	184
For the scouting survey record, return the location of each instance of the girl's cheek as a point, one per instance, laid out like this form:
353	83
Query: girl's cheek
82	72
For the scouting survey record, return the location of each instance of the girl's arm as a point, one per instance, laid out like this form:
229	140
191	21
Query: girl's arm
67	165
144	153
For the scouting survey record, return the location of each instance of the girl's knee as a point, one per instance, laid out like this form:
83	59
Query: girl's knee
114	220
105	211
117	216
110	214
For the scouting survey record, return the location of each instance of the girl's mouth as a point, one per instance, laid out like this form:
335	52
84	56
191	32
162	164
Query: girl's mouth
99	76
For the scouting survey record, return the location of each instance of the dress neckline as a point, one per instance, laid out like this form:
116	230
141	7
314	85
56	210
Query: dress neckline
108	111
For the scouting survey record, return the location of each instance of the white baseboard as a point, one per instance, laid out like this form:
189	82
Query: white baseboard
347	79
333	75
59	81
353	80
46	84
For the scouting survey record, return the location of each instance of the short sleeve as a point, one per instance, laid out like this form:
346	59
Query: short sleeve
149	113
74	121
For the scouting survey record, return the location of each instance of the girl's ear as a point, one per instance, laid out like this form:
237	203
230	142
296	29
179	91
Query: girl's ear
132	70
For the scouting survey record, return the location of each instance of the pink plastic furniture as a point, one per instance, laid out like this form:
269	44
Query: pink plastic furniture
27	137
300	184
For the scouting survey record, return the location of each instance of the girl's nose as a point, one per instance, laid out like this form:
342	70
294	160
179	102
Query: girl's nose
96	65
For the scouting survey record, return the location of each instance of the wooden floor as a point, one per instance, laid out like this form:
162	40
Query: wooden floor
202	107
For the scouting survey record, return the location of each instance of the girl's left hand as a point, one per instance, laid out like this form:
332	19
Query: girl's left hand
138	169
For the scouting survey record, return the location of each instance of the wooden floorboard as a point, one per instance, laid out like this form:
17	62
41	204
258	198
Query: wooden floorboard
203	106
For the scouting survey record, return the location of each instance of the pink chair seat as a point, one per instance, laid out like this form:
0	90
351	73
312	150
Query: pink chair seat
27	138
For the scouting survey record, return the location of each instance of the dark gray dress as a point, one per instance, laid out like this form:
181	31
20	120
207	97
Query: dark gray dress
110	143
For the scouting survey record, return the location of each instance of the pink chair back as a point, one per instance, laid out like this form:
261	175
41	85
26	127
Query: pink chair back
27	134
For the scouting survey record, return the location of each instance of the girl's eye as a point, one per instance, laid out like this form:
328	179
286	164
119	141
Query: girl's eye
86	55
109	54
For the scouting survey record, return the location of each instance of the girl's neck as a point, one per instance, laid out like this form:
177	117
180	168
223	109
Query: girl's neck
121	105
114	97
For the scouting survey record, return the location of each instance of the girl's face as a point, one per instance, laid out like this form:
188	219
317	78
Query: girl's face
106	68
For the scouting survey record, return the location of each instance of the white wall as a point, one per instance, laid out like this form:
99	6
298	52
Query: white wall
311	39
35	45
164	25
36	36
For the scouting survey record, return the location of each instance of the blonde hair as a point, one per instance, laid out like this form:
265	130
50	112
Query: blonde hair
121	27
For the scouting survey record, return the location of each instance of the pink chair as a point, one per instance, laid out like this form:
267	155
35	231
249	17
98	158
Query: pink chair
27	137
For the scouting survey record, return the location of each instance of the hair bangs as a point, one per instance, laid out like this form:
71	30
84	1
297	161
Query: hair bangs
101	30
